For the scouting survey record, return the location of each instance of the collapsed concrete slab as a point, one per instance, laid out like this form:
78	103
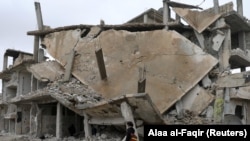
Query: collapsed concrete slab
197	100
196	19
109	111
200	20
46	71
234	80
240	93
239	58
173	64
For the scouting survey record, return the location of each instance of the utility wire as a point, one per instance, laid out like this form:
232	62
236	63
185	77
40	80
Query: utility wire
201	3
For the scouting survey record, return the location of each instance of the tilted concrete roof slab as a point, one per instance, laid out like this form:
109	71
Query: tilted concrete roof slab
173	64
196	19
46	71
197	99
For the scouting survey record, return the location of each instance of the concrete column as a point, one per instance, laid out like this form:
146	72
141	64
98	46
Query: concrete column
38	122
242	69
128	115
222	95
242	40
166	13
216	6
19	83
2	112
240	7
34	82
69	66
87	128
145	18
39	15
59	121
5	62
77	121
36	51
36	48
41	55
18	125
35	120
40	58
177	18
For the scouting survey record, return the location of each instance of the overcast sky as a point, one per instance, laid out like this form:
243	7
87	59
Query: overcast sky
18	16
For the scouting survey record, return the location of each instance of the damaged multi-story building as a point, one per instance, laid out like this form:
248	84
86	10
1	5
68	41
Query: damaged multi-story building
154	69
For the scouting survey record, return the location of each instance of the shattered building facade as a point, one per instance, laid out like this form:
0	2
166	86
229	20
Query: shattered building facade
154	69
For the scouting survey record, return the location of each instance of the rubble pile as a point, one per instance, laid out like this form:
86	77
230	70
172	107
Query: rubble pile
186	118
74	91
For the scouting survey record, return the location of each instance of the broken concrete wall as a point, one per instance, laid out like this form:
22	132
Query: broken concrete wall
196	100
234	41
70	118
12	126
48	119
47	71
22	57
24	85
248	113
10	92
2	120
10	117
223	9
35	119
248	41
23	119
125	52
48	125
150	20
235	112
9	87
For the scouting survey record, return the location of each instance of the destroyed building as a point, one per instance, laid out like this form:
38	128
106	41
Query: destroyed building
154	69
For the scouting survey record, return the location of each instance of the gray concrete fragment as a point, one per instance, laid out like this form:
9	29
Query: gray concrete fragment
206	82
217	42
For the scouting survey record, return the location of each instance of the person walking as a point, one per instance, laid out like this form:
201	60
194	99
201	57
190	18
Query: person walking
130	132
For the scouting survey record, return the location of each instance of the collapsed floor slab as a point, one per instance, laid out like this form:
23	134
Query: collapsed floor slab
109	111
180	64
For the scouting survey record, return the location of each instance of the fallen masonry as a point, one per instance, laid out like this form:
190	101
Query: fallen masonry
151	70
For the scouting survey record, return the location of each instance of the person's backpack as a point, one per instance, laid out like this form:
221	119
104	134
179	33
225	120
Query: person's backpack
133	137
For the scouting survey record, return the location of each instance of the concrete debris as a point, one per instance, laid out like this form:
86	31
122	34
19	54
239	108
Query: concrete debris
21	58
198	20
47	71
240	93
74	91
217	41
234	80
188	118
239	58
197	100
